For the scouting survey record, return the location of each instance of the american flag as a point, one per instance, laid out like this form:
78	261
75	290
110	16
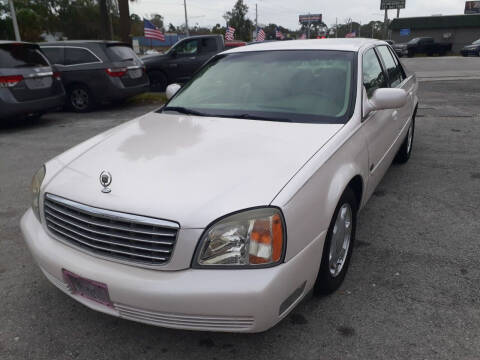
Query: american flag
279	35
303	37
260	35
151	31
229	34
351	35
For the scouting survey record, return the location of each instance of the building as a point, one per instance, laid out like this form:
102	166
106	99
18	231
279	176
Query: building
457	29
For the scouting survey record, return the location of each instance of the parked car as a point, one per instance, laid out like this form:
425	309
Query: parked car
222	210
422	45
473	49
28	84
96	71
182	60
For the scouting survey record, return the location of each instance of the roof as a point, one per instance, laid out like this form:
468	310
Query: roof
320	44
7	42
70	42
436	22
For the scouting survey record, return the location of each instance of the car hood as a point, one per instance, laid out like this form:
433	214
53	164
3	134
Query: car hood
153	58
189	169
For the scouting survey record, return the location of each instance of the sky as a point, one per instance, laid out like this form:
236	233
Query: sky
285	12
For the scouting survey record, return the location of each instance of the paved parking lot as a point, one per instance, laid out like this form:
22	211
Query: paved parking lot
412	291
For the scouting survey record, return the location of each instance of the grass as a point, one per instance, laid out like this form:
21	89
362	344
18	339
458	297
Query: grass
148	98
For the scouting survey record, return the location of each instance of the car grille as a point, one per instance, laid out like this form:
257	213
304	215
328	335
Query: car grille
123	237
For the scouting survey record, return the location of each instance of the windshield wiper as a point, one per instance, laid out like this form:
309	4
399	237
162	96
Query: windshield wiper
186	111
256	117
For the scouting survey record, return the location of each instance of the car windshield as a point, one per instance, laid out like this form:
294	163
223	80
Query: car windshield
414	41
295	86
476	42
21	55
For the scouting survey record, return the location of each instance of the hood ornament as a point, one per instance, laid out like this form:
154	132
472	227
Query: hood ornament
105	181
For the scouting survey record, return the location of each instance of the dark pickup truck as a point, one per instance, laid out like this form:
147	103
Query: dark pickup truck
422	45
182	60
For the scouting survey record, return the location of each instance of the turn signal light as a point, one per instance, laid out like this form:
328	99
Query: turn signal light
10	81
117	72
266	240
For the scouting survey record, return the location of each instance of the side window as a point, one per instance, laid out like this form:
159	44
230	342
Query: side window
76	56
209	45
394	74
54	54
373	76
401	70
187	48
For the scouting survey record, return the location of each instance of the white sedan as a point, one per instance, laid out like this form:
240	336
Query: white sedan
222	210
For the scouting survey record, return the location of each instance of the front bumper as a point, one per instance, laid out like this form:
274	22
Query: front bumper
470	52
196	299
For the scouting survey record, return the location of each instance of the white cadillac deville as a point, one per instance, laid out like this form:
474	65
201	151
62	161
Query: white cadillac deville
222	210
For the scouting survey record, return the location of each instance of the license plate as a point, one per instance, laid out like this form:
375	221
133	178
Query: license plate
89	289
39	82
135	73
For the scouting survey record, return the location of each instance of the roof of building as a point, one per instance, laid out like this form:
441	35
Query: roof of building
436	22
320	44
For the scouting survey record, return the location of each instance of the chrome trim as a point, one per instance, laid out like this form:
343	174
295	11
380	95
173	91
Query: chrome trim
107	214
37	75
62	227
107	249
100	61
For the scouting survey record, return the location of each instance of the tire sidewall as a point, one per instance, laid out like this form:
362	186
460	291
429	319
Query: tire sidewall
70	104
326	283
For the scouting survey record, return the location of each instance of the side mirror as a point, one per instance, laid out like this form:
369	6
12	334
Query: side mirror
384	99
172	89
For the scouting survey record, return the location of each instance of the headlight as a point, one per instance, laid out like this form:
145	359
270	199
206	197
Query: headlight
36	184
251	238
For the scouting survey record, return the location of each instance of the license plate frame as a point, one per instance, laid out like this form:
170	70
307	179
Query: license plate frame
87	288
135	73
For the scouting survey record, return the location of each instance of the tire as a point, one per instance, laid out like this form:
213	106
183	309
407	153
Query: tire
332	273
80	99
158	81
405	150
411	53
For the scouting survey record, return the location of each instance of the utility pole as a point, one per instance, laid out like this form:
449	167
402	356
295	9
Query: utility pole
186	17
398	13
14	21
256	21
336	27
360	29
308	29
385	25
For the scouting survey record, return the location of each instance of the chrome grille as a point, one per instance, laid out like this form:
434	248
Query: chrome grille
123	237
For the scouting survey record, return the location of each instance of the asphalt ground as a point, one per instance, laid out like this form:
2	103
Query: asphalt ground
412	291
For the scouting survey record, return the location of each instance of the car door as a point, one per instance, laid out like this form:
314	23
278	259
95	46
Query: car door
379	128
186	59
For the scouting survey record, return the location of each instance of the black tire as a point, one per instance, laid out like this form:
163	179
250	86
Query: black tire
158	81
327	282
405	150
411	53
80	99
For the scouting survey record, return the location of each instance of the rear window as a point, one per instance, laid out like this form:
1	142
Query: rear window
15	56
120	53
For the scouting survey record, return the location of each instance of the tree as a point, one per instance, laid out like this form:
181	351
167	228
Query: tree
172	28
237	18
157	20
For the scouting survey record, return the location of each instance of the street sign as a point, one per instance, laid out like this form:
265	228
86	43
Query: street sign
392	4
310	19
472	7
405	32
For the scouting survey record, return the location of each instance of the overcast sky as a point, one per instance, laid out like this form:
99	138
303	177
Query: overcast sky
285	12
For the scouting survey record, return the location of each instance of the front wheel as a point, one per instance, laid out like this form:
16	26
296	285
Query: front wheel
158	81
338	247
